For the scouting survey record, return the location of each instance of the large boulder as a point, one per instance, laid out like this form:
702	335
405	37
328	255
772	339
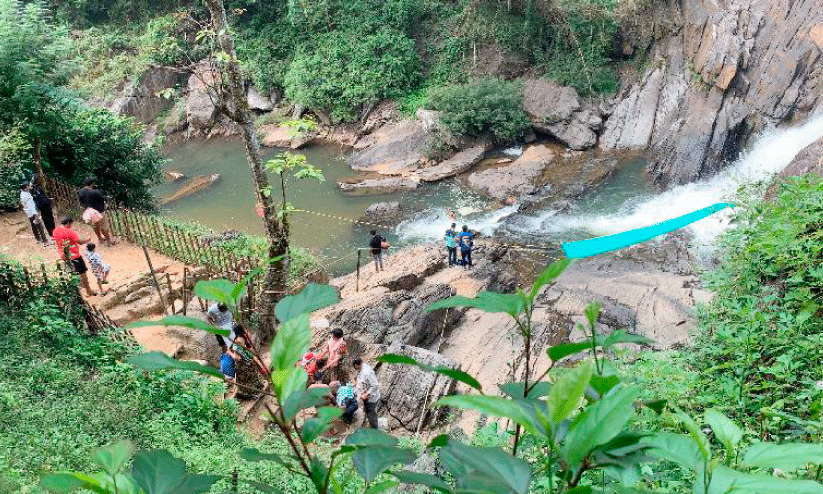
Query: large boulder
144	101
517	178
281	136
394	149
558	111
257	101
407	392
385	213
457	164
200	109
809	160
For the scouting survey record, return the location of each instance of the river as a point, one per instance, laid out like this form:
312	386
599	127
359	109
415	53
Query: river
624	201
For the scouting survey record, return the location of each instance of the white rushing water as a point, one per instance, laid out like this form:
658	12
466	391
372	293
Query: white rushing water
770	153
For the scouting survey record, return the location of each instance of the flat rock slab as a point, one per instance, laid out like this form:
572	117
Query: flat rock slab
457	164
393	149
280	136
387	184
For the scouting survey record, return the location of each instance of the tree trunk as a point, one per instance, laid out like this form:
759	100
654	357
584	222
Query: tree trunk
233	103
38	166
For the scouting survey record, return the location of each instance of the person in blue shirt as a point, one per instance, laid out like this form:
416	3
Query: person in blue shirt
466	241
451	244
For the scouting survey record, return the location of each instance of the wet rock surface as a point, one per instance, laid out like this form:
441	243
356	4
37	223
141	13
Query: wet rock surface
393	149
377	185
727	71
809	160
558	111
515	179
457	164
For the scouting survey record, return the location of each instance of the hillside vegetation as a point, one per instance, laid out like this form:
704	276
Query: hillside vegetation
340	57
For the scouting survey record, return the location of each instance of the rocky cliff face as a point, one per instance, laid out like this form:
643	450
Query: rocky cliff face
729	69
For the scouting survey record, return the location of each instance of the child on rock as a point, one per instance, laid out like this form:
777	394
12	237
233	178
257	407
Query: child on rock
98	267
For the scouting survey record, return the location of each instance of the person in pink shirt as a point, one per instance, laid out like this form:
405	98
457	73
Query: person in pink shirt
68	242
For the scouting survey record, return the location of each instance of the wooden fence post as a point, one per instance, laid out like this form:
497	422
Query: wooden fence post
358	271
154	279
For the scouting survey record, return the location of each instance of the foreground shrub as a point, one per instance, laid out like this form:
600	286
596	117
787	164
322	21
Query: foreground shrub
762	346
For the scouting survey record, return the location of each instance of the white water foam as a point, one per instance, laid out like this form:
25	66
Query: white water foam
770	153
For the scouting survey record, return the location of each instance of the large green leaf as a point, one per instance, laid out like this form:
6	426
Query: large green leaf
218	290
511	304
677	448
113	458
783	456
302	399
725	480
289	382
726	431
696	432
566	349
291	342
314	296
268	489
517	389
622	336
154	361
239	289
158	472
598	424
565	395
551	272
184	321
479	468
371	461
314	427
495	406
371	437
409	477
65	482
455	374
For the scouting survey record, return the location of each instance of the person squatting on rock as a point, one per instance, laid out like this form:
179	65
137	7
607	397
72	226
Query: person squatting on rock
368	389
94	202
68	242
466	241
99	268
220	316
377	244
233	354
43	202
451	244
31	212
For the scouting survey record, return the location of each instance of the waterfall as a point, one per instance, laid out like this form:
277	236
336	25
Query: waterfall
772	151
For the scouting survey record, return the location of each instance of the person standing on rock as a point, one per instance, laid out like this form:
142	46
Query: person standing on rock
368	389
93	200
30	210
43	202
451	244
334	352
466	241
68	243
377	244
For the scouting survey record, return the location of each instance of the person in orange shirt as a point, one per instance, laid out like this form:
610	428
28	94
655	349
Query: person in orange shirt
67	241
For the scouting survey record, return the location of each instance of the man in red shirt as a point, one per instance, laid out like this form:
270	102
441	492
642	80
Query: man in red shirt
66	239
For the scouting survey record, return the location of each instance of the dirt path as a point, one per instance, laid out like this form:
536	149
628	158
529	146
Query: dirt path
127	263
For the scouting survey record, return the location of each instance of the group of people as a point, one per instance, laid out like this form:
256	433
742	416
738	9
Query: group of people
37	206
464	240
325	367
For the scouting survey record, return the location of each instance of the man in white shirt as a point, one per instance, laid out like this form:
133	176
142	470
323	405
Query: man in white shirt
30	210
219	315
368	388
